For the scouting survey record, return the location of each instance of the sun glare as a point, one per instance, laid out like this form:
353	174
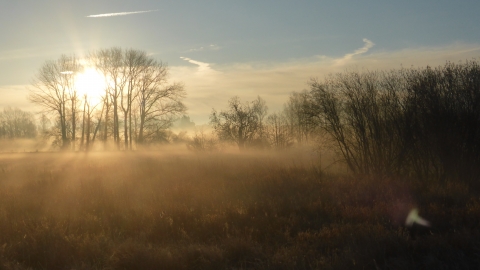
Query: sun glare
90	83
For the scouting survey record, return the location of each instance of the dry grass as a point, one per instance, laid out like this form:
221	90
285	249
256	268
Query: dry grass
224	211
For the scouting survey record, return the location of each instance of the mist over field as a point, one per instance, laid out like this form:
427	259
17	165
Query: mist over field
365	169
252	210
239	135
372	169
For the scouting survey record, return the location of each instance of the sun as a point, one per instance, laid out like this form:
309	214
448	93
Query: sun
91	83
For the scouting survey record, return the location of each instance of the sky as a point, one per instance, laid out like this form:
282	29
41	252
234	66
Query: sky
225	48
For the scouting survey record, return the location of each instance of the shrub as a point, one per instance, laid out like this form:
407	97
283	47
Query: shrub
421	122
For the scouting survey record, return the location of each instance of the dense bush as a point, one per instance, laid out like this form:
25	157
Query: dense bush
421	122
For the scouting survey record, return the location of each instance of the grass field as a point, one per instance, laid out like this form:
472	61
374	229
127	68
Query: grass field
224	211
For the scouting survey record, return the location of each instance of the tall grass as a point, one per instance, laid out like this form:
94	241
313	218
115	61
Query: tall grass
224	211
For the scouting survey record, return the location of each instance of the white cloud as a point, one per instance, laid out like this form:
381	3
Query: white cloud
211	47
202	67
368	45
120	13
210	85
275	81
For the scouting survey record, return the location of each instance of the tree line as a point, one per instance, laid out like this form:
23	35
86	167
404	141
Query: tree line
409	121
249	125
17	124
422	122
137	105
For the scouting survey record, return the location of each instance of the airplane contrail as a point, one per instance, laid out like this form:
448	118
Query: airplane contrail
119	13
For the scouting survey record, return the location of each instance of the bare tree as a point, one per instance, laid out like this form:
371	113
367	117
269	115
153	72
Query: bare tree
111	63
278	131
53	88
101	59
137	86
241	123
137	98
15	123
87	122
298	115
137	64
158	103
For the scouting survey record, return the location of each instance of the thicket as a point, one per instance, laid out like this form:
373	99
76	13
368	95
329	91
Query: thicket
422	122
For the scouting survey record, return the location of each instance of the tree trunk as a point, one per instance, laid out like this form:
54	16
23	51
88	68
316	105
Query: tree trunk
74	127
63	124
98	124
125	128
87	148
140	129
116	129
130	122
83	125
105	130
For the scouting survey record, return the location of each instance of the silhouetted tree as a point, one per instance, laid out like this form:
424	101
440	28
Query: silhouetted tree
362	112
241	123
138	86
297	113
54	90
279	131
158	103
111	63
443	104
423	122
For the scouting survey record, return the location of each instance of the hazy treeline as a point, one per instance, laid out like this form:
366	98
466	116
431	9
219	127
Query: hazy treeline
17	124
423	122
138	105
248	125
411	121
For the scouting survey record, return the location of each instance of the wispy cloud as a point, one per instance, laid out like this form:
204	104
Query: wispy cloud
202	67
211	47
274	81
120	13
367	46
211	85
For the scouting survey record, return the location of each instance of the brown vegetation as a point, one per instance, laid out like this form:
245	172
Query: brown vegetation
401	142
224	211
423	122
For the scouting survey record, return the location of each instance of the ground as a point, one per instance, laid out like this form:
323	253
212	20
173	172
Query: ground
180	210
